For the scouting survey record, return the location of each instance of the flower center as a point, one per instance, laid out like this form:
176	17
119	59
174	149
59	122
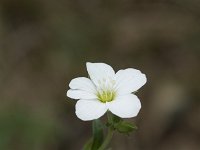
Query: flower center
105	90
106	96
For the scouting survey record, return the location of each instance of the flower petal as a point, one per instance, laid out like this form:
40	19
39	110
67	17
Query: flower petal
82	83
100	72
125	106
90	109
80	94
129	80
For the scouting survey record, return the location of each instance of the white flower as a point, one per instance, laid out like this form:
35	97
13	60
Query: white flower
106	90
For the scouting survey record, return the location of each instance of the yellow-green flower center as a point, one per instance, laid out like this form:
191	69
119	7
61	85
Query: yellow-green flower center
106	96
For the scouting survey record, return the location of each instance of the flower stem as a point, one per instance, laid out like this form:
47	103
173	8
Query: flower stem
107	139
109	134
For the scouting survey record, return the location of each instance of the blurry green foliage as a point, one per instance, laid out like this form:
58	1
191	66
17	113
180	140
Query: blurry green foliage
21	130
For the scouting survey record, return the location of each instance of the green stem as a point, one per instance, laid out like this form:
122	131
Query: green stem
109	116
109	134
107	139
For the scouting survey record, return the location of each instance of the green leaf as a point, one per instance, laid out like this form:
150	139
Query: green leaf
125	127
117	123
116	119
88	144
113	120
98	135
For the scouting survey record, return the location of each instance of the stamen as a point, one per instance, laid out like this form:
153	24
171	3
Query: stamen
106	96
106	92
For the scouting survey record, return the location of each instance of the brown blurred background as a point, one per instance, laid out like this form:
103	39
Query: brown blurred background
46	43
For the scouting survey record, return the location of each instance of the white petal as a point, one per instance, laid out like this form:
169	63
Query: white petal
90	109
125	106
129	80
79	94
82	83
100	72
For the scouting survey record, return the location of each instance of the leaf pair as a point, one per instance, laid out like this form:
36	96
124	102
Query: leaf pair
114	123
120	125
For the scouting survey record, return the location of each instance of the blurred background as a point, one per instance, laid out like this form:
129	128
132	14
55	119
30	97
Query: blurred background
46	43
